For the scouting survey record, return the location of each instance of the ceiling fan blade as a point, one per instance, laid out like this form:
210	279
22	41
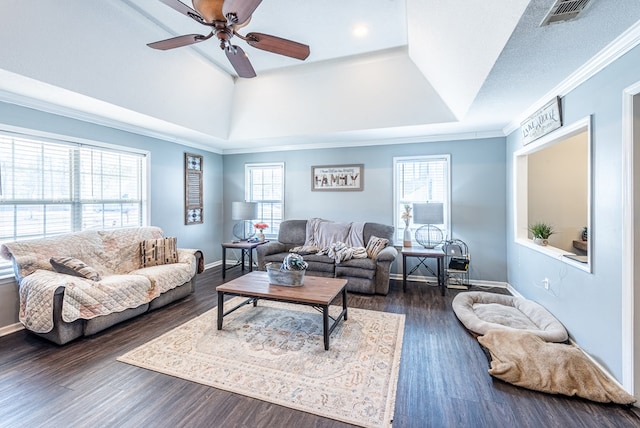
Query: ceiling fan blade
183	9
176	42
240	62
278	45
243	9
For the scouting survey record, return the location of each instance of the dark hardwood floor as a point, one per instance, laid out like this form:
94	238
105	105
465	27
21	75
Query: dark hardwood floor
443	378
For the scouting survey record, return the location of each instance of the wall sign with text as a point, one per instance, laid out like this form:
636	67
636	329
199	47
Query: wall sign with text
337	177
545	120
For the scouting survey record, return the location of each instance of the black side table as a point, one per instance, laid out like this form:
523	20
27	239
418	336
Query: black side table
246	249
422	254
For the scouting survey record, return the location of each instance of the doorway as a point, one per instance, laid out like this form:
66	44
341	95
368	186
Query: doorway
631	241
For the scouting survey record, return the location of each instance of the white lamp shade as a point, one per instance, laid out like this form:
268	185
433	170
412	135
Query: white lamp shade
429	213
244	210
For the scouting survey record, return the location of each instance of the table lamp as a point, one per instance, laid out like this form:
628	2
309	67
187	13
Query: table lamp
428	214
245	212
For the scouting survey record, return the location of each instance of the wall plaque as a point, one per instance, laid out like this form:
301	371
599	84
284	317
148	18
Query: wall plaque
542	122
193	206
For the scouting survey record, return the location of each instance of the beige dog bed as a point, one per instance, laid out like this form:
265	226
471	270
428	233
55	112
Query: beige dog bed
524	359
480	312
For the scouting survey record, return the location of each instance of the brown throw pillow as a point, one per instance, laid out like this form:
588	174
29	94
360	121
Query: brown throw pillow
75	267
158	251
375	245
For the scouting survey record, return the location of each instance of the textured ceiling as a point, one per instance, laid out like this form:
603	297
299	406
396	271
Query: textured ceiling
426	69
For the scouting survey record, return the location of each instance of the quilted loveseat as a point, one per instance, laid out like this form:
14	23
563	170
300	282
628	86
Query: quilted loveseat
364	275
81	283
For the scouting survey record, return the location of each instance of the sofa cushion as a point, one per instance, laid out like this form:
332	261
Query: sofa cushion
75	267
293	232
379	230
32	255
342	271
156	252
319	258
365	263
321	267
315	262
167	276
275	258
120	250
323	233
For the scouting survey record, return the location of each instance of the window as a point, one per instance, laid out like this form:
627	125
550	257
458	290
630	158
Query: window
264	184
552	185
49	188
420	179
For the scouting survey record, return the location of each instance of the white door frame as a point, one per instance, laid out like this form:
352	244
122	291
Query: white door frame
630	308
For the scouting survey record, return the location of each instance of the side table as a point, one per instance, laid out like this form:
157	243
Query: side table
422	254
246	248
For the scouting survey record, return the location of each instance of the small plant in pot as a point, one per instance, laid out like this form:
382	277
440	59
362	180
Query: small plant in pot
541	232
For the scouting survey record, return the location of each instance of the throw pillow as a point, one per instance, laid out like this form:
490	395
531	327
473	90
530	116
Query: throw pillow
375	245
158	251
75	267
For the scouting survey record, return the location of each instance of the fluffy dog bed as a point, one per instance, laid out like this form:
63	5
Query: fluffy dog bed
481	311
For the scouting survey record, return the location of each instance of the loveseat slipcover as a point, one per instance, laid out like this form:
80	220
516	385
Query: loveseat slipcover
62	307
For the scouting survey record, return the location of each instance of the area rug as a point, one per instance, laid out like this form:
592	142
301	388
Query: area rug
275	352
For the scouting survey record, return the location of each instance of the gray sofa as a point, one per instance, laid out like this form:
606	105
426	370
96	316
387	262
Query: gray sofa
364	275
61	307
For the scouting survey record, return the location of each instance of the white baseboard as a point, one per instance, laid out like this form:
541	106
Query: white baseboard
601	367
434	280
8	329
514	291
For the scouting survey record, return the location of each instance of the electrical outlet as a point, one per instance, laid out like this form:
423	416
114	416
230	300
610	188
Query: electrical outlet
545	283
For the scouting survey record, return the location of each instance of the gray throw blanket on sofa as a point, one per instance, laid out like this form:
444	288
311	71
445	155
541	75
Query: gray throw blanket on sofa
340	241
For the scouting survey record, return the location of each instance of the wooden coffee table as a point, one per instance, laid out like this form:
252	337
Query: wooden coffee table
318	292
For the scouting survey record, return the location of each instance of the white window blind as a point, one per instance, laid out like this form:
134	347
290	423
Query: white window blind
420	179
264	184
49	188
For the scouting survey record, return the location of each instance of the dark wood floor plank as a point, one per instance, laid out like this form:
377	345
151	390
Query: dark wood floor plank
443	379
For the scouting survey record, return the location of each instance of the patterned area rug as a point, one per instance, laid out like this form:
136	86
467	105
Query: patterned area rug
274	352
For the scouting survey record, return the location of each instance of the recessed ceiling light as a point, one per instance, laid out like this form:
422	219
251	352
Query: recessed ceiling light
360	30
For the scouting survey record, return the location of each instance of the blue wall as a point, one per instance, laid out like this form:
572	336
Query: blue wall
478	182
589	305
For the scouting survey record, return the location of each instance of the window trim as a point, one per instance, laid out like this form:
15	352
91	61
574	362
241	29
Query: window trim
247	188
396	213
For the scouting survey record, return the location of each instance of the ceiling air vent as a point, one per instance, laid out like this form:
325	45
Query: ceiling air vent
564	10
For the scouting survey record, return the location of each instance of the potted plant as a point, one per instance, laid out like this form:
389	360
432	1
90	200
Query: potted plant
541	232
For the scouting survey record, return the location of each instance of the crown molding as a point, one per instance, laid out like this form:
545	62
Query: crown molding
97	119
364	142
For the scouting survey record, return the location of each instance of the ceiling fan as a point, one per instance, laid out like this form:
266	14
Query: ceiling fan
225	17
